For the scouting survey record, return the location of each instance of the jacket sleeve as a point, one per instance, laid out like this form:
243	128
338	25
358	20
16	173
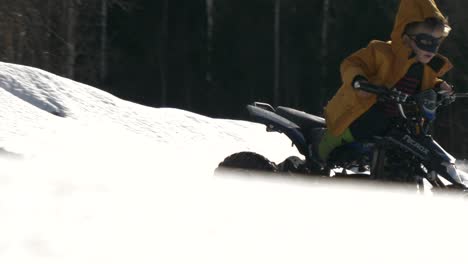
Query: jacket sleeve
438	82
363	62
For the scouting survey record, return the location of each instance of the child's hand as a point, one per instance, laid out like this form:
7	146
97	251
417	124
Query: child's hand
444	86
361	93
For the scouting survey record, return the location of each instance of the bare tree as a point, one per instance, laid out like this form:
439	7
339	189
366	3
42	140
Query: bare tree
277	37
103	48
164	31
46	52
210	31
71	20
324	45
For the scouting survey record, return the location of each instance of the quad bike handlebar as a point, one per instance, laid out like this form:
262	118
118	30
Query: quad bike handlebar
386	94
382	92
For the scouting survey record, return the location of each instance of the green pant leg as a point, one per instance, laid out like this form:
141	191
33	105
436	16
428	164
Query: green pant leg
329	142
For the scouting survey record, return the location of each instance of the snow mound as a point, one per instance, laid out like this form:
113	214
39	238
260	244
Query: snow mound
38	104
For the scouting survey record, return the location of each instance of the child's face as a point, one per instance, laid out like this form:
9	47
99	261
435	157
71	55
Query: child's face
424	56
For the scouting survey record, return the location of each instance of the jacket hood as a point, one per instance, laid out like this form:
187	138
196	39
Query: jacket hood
408	12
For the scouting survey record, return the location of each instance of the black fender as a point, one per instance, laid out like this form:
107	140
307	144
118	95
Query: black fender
442	162
431	154
305	120
280	124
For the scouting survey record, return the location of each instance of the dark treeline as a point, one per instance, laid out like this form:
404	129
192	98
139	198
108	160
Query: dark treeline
208	56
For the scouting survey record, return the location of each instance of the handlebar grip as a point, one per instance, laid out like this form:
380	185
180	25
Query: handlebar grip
382	92
365	86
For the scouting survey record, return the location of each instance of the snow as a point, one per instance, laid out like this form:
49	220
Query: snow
86	177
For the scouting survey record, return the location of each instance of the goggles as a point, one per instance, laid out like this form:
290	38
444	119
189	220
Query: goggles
426	42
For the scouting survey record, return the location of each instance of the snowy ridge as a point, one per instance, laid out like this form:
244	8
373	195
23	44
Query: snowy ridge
86	177
39	97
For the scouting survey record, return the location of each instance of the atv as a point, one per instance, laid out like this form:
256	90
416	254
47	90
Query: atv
406	153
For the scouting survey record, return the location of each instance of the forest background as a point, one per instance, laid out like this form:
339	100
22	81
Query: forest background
215	56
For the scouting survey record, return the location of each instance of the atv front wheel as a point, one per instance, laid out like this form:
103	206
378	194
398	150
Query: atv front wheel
248	161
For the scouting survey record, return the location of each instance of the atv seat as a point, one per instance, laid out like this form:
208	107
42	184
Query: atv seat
302	119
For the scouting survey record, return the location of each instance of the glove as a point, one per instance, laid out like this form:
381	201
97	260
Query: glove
445	87
357	79
445	98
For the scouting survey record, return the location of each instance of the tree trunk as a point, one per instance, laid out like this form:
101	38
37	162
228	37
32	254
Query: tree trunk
186	56
277	37
45	52
163	51
71	39
210	28
8	33
324	50
103	48
20	33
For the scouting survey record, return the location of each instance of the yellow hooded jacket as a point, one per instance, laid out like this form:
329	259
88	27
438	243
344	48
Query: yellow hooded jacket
382	63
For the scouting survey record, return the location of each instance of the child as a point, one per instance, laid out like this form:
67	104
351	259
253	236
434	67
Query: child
409	63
